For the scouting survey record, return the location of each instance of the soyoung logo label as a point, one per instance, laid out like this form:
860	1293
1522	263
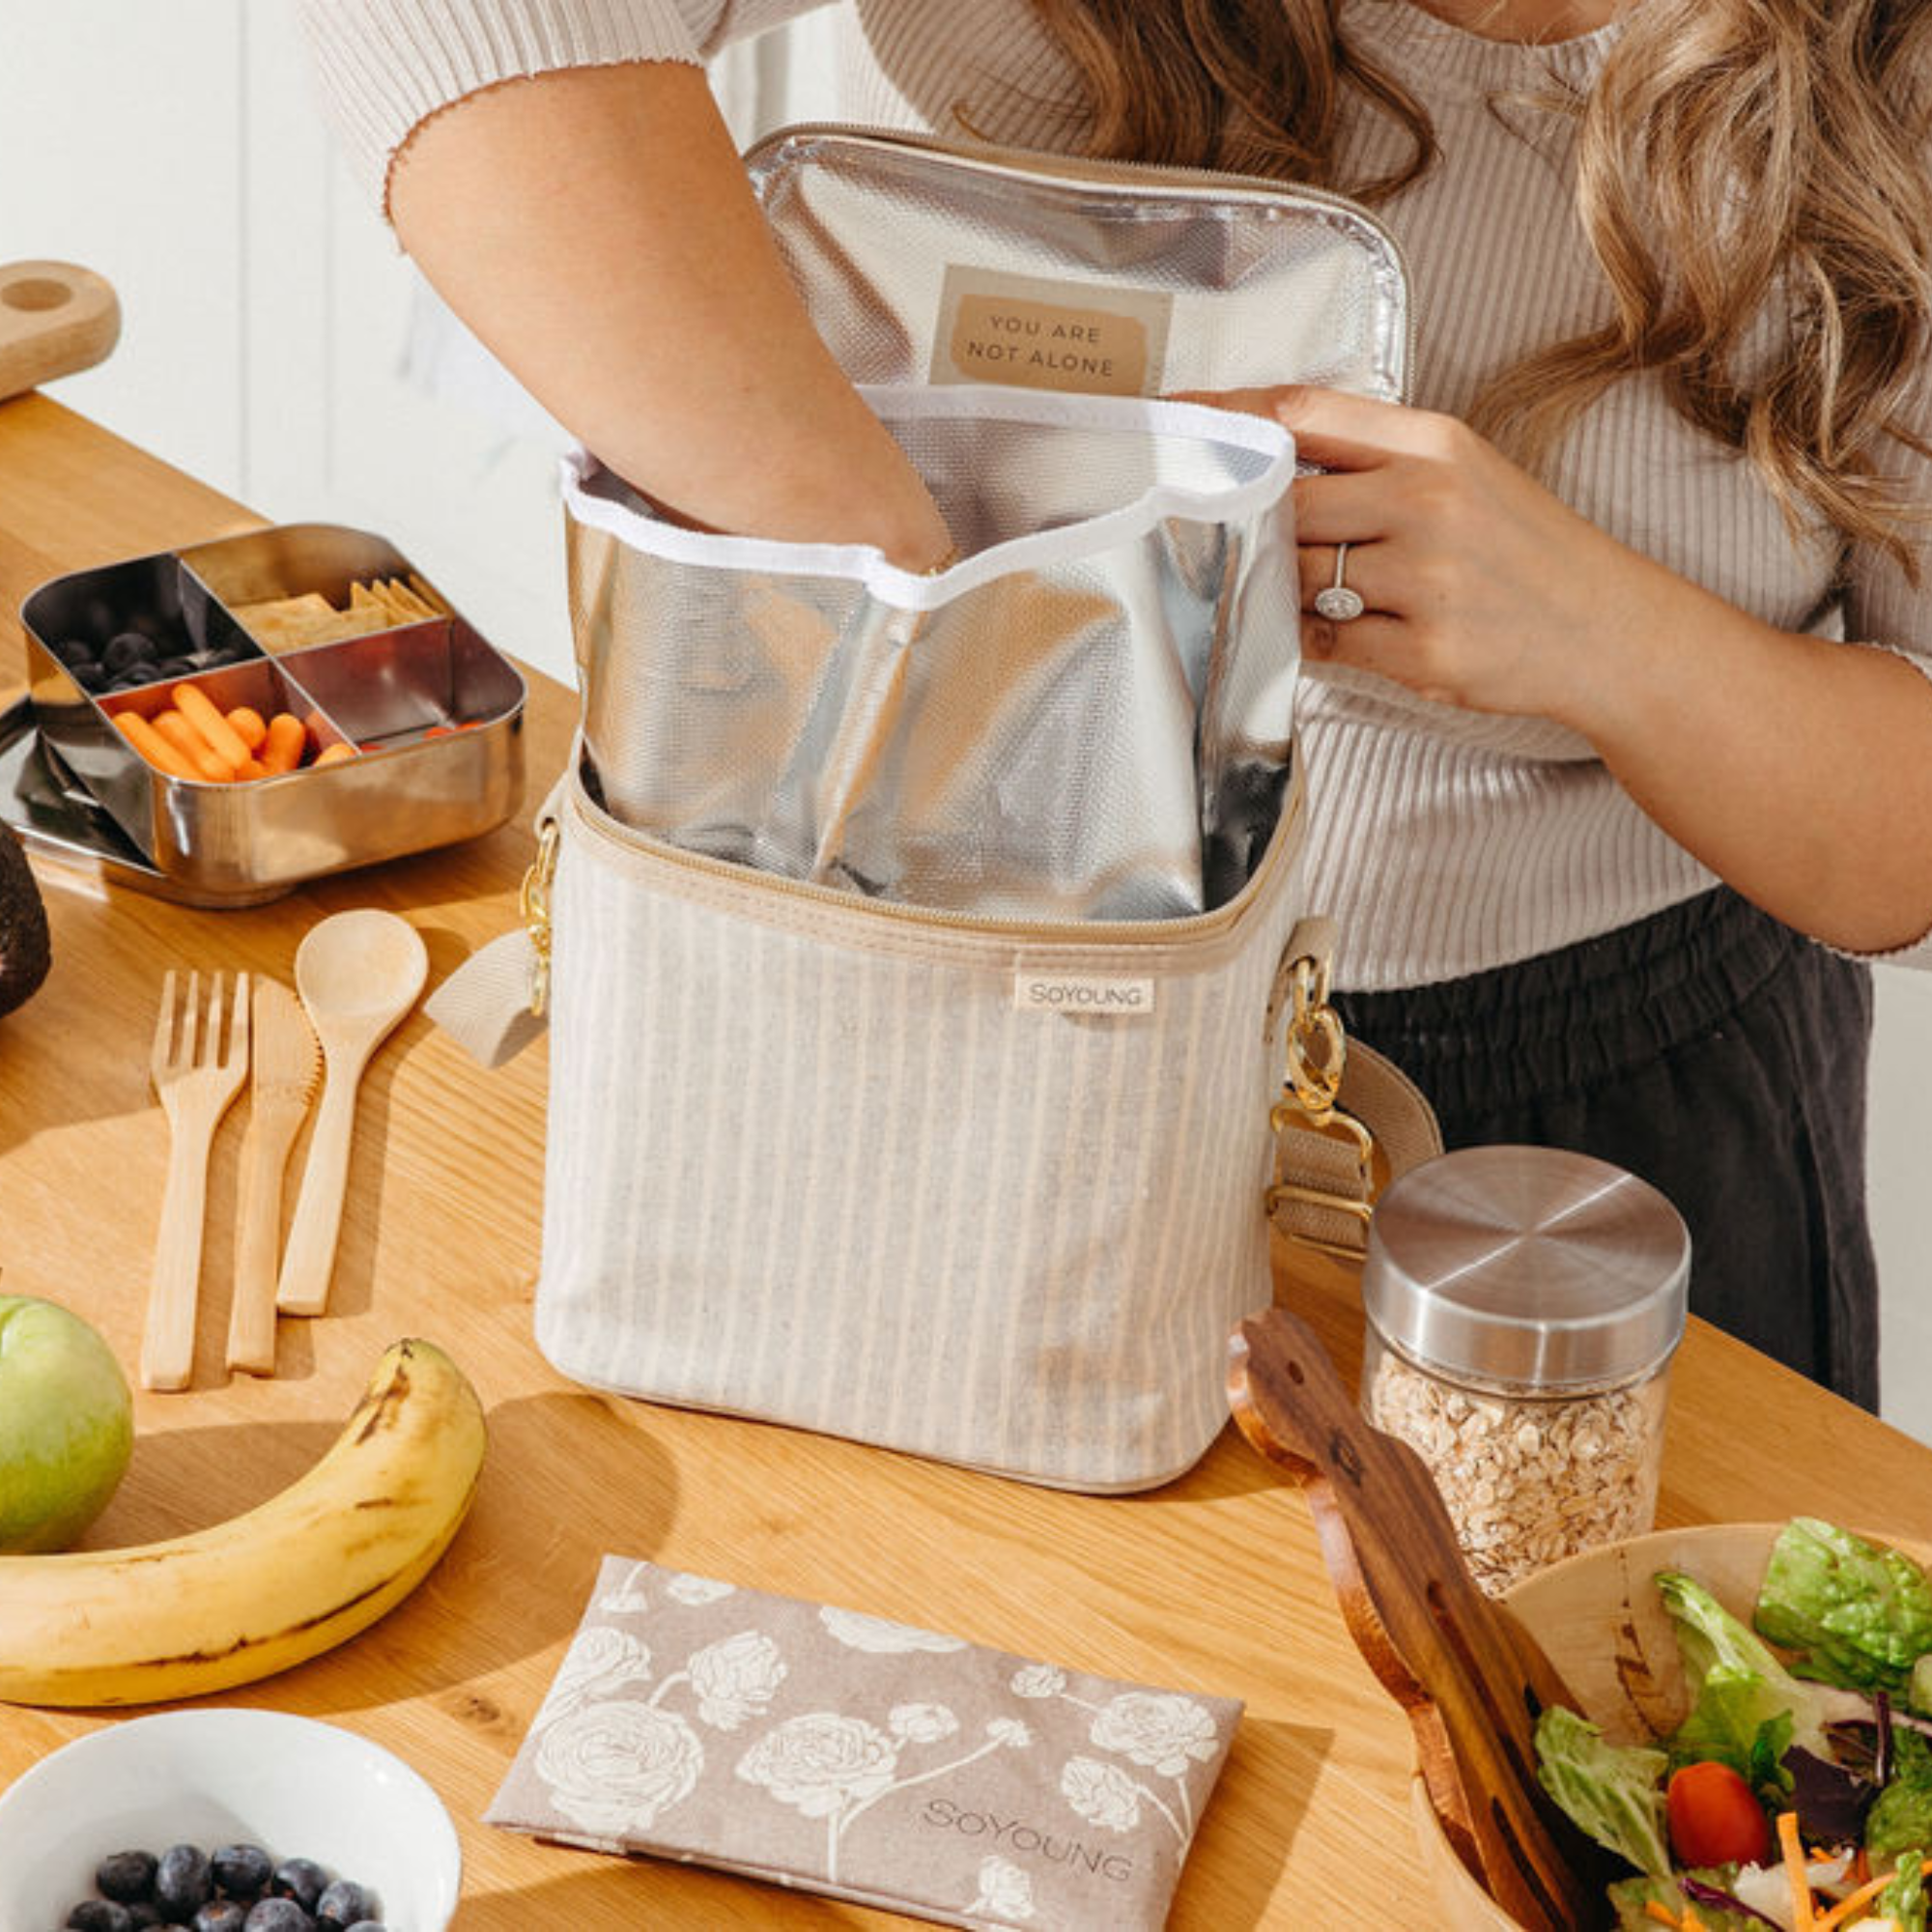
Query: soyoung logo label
1081	993
1036	1844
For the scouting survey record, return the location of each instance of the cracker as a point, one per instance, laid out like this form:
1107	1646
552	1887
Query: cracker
413	607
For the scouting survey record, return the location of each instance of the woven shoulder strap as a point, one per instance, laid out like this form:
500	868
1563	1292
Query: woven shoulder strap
1348	1121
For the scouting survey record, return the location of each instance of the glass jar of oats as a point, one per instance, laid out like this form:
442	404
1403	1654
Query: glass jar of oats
1524	1304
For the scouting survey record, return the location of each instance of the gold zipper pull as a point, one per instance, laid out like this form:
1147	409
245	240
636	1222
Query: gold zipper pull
533	907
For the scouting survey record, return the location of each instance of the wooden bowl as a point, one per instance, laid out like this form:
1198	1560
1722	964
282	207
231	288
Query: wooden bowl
1601	1621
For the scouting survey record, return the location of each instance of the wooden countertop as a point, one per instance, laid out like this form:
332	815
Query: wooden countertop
1213	1582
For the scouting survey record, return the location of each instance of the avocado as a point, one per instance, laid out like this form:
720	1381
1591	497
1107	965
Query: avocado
24	948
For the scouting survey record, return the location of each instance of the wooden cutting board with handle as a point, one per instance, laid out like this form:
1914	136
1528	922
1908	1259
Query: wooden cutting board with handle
54	318
1470	1677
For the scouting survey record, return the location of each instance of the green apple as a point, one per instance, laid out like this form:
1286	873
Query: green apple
66	1424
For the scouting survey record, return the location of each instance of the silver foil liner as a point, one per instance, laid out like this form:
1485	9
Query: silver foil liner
1088	718
923	263
1091	717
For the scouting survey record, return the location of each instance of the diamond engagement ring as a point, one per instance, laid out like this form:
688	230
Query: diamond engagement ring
1336	601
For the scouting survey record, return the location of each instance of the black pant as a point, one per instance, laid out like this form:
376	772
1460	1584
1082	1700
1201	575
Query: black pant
1715	1053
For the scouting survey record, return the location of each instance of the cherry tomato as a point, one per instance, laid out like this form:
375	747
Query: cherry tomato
1715	1819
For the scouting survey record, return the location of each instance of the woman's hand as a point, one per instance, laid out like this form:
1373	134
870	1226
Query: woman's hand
1796	767
1479	587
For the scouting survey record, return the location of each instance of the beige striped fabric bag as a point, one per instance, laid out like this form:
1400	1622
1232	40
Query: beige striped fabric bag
917	950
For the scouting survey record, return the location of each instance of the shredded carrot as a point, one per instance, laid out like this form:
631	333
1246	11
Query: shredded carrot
1854	1901
1663	1914
1860	1868
1803	1919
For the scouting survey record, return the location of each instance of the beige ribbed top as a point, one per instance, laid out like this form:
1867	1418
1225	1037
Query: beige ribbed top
1443	841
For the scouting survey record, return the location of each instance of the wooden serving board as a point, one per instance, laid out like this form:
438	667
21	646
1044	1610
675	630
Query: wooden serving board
54	318
1471	1679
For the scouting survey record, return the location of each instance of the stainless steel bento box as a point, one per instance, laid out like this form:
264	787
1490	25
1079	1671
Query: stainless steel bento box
432	713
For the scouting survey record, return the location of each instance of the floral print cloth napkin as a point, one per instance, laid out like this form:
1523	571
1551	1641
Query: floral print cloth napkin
836	1753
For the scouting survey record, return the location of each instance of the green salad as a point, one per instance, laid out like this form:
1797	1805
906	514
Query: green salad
1796	1792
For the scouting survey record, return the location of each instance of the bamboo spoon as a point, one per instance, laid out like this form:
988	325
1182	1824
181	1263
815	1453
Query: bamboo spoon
358	973
287	1064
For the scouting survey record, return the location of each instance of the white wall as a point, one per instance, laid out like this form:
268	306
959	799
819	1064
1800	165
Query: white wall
1900	1172
267	312
268	348
121	135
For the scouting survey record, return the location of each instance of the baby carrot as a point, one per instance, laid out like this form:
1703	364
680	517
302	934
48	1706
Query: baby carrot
152	746
282	748
337	753
208	762
198	708
253	769
249	726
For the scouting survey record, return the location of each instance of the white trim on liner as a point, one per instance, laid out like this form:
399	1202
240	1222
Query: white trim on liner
908	590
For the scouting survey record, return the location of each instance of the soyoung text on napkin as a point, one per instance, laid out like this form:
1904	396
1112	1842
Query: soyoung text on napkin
833	1752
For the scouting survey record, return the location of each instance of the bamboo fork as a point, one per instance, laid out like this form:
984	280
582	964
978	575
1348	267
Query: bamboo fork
196	1074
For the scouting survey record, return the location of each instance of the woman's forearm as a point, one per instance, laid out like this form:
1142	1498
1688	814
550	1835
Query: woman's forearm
1797	768
595	229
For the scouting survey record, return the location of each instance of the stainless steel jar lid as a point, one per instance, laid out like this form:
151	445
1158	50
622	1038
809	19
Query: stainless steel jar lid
1527	1266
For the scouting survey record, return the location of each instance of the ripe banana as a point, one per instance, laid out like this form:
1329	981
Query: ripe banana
268	1589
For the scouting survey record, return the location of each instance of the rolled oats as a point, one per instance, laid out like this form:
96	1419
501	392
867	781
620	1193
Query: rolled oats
1528	1480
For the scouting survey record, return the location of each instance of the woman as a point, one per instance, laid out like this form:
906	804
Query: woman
1604	804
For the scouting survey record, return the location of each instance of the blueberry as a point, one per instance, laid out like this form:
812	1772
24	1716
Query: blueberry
181	1885
144	1913
129	647
125	1876
301	1880
241	1871
174	668
90	677
98	1914
278	1915
344	1904
73	651
220	1914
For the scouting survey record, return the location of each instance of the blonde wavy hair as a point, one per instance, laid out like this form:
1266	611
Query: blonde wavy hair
1734	155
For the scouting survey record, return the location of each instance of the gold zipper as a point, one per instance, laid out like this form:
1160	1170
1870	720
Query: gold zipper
535	895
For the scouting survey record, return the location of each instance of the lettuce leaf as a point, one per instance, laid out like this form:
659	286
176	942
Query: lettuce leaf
1613	1792
1830	1797
1904	1898
1901	1814
1741	1720
1862	1615
1749	1677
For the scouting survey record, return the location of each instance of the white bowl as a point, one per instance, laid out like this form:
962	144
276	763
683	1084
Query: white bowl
221	1776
